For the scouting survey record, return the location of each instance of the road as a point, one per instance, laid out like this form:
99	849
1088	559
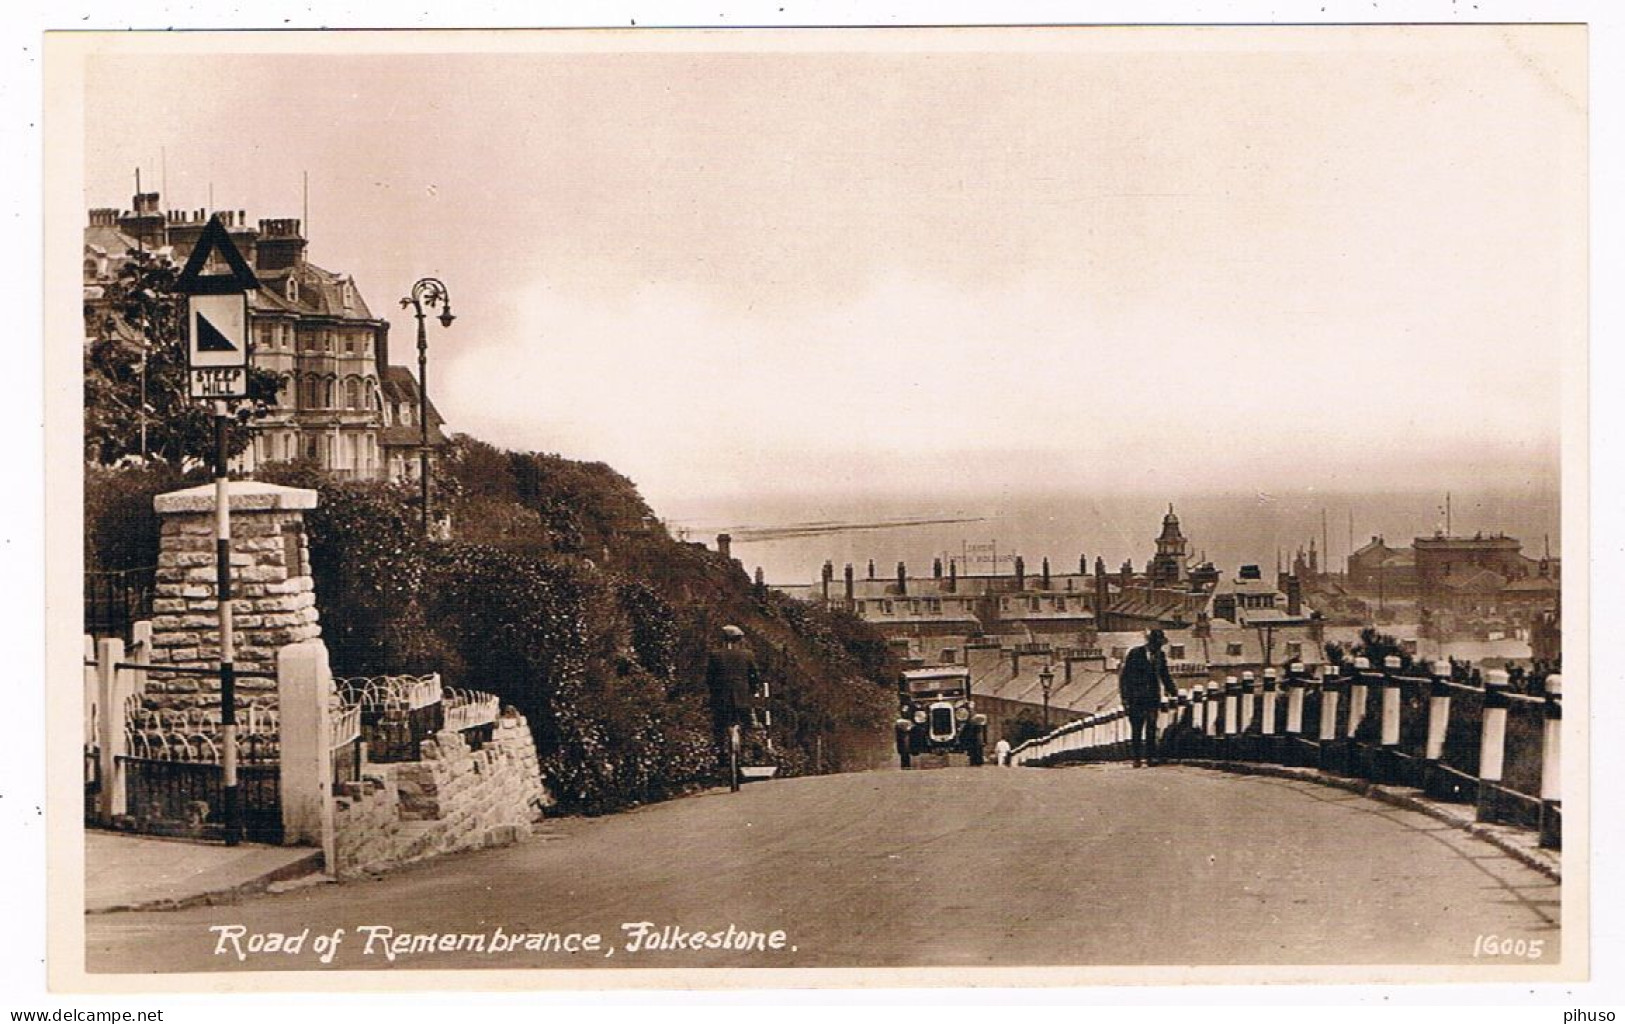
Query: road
1101	865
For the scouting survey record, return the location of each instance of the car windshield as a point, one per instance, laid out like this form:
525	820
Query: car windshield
940	687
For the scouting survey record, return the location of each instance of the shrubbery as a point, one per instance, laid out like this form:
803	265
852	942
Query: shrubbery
564	597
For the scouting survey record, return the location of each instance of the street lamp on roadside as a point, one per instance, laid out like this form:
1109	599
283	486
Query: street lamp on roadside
431	292
1046	679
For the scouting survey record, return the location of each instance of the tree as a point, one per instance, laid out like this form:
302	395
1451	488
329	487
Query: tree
137	401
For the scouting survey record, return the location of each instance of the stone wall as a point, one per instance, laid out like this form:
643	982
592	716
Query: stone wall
273	595
453	799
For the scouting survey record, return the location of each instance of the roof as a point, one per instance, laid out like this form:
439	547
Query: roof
399	385
321	293
108	240
1481	581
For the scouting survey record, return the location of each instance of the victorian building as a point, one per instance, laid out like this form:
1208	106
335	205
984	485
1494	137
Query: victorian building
340	404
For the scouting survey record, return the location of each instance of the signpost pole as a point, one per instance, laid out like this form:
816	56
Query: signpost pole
217	356
228	657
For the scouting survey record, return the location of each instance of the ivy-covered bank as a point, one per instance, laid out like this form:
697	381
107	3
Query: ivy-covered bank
561	593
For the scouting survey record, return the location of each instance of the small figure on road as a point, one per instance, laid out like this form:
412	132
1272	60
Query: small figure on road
1141	682
1001	753
734	683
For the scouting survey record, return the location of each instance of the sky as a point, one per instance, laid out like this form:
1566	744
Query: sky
1117	260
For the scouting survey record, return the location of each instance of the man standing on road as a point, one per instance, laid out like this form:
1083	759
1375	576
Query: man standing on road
1141	682
734	682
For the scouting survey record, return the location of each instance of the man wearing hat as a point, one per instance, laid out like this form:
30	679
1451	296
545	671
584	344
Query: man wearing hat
1141	682
733	681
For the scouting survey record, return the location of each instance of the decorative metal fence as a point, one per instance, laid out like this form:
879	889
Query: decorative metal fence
1453	739
395	713
175	779
472	713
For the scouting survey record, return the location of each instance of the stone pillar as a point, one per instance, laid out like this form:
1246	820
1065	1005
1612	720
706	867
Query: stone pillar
273	594
304	691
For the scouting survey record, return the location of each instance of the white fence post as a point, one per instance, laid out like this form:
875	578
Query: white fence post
304	681
110	802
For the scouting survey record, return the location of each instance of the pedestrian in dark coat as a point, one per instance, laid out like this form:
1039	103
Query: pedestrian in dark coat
734	682
1141	682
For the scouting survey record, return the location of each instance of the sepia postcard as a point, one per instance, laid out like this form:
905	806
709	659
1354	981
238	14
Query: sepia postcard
818	507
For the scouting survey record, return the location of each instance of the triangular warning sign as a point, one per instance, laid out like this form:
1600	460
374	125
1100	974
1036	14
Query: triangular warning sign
209	338
216	241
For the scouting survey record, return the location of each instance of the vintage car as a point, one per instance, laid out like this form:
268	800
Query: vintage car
937	716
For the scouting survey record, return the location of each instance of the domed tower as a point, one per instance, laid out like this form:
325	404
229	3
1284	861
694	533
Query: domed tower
1168	567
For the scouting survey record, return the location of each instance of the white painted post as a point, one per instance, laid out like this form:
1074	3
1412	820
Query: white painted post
93	732
1249	700
304	681
111	801
1232	692
1294	699
1390	701
1493	737
1328	703
1551	765
1271	698
1551	748
1212	708
1357	695
1438	711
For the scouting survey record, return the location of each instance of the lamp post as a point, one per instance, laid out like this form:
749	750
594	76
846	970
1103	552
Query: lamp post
1046	679
431	292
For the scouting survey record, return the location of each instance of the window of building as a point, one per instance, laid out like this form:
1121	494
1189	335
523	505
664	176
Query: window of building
1233	650
292	291
327	341
1176	652
349	344
1294	649
352	393
310	447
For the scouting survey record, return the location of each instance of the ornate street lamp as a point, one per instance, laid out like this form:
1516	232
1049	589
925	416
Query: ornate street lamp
1046	680
431	292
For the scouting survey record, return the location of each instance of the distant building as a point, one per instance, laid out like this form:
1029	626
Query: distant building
1379	569
1167	568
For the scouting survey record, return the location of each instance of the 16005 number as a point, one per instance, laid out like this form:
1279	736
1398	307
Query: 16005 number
1491	945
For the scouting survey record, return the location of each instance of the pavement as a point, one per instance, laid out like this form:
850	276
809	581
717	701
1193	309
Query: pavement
130	872
1094	865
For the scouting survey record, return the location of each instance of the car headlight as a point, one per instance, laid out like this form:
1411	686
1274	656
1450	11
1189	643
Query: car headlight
919	715
962	713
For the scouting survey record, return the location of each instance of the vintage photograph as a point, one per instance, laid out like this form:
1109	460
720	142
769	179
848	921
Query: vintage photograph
995	506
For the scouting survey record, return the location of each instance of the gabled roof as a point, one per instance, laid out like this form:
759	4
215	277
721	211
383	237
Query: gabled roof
399	385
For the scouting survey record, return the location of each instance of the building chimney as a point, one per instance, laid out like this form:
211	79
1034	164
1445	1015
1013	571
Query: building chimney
761	579
146	223
827	576
281	244
725	543
1294	596
902	578
953	576
1101	596
936	568
1021	573
1083	565
1126	574
1045	572
1204	626
871	568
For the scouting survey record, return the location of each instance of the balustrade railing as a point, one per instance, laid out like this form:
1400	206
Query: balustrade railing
1431	730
